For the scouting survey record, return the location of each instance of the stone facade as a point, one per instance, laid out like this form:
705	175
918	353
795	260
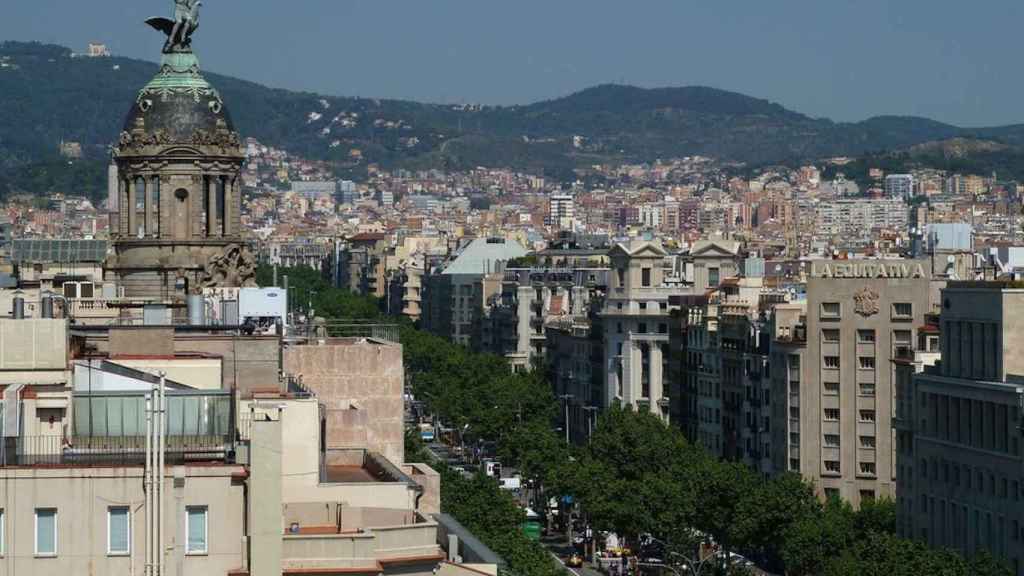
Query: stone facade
177	228
360	384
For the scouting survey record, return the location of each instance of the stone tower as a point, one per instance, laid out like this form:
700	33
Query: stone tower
175	218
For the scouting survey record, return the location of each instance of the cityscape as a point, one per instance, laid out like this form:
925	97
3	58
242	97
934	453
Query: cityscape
263	333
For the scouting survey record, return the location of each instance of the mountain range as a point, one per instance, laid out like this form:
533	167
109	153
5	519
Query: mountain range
48	95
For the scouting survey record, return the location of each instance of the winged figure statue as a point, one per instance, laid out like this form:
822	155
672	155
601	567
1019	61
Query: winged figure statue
179	31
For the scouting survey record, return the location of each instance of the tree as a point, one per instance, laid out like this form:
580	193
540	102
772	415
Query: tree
629	475
807	544
765	514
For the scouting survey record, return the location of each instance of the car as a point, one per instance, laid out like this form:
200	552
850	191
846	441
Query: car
574	561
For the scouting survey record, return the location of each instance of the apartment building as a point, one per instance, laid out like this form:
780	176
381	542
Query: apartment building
531	298
719	366
858	217
455	296
635	322
833	372
960	428
300	475
358	263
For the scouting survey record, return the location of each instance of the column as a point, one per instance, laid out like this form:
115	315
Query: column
153	193
229	213
211	206
122	207
657	388
635	375
132	207
147	206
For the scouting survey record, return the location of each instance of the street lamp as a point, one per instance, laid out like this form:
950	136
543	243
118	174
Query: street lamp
591	414
566	398
695	568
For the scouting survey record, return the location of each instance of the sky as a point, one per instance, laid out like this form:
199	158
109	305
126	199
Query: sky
847	60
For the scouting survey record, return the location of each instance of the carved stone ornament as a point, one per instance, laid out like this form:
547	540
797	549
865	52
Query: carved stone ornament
235	267
865	302
220	138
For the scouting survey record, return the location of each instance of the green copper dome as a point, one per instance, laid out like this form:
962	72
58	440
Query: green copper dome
178	106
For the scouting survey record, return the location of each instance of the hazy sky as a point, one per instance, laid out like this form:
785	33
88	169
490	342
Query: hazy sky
953	61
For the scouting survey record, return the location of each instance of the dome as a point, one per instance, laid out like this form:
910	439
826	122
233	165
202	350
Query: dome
178	106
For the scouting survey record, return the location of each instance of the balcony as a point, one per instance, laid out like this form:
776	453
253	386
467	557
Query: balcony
62	451
327	537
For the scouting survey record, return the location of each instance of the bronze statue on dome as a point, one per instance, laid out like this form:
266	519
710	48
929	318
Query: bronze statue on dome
179	31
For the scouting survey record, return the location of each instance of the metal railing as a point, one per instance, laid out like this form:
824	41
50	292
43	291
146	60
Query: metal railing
348	329
108	451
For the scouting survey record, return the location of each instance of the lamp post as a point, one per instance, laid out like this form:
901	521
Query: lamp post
695	568
566	398
591	415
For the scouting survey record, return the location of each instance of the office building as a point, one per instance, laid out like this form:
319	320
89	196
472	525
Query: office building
832	373
959	428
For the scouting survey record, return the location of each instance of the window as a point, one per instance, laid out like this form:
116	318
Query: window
866	362
794	438
46	532
867	495
832	414
832	466
118	531
831	388
794	412
830	310
196	516
866	389
794	464
867	441
713	277
830	335
831	493
867	415
867	468
621	273
643	305
831	361
662	328
832	440
641	328
865	336
645	277
901	337
902	310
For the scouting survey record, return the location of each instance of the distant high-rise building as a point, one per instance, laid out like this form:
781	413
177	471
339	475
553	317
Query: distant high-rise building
899	186
561	211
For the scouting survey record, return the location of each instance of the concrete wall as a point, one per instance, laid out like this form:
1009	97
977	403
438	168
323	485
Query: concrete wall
251	362
198	373
430	480
82	498
264	490
33	344
360	384
130	341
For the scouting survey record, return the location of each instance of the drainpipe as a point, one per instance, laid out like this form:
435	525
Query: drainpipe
162	432
147	486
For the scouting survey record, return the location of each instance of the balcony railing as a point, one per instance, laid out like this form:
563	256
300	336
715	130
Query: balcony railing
108	451
348	329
